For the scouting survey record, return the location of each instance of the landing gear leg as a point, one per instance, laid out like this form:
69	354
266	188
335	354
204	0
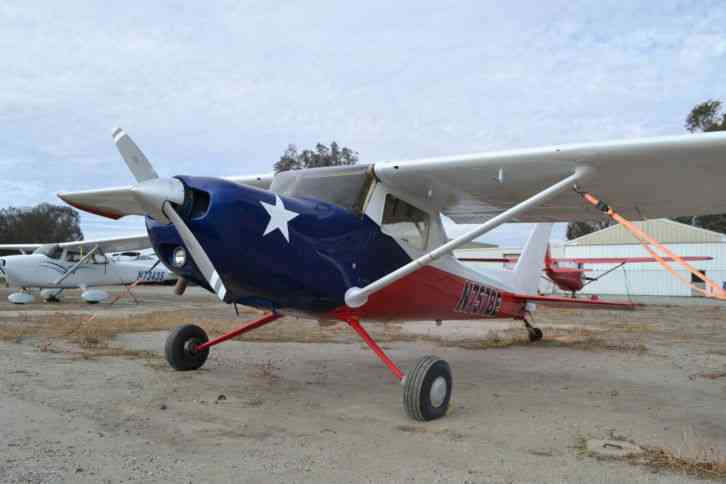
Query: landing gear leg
426	388
187	347
535	334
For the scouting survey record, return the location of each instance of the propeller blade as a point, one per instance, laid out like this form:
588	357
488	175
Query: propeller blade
133	156
150	196
107	202
195	249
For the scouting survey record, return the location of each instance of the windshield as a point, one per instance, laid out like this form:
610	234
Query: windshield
344	186
52	251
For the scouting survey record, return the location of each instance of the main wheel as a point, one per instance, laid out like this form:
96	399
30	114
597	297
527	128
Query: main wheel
427	389
181	348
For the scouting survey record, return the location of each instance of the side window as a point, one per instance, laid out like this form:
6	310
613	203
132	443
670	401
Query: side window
405	222
73	256
99	259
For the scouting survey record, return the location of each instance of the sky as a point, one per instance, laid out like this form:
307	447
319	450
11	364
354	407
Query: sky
222	87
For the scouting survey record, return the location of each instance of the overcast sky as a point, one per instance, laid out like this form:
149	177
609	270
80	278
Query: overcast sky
221	88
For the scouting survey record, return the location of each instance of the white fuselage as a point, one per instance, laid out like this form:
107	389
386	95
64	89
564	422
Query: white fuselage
41	271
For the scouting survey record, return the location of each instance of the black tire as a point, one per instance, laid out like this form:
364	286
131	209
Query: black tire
535	334
179	348
417	395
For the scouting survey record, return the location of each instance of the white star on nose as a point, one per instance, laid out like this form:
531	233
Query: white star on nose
279	217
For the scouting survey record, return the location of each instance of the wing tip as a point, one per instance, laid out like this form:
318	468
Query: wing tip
117	134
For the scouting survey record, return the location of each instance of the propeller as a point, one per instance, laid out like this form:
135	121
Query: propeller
156	196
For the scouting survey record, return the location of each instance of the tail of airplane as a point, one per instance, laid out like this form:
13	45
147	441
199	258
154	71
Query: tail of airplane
529	267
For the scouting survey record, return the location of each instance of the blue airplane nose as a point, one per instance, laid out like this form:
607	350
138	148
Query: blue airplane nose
273	250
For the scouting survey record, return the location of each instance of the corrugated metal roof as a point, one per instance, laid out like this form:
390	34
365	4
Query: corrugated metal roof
662	229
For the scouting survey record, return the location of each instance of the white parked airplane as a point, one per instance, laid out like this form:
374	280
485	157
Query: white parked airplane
70	265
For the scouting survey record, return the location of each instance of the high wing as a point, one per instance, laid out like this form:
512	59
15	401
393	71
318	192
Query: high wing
20	247
644	178
115	244
118	202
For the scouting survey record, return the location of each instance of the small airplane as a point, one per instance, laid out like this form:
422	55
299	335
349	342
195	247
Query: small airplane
366	242
568	273
69	265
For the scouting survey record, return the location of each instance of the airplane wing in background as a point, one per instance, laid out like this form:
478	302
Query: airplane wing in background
115	244
26	248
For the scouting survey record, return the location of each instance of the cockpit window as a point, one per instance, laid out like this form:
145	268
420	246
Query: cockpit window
405	222
50	251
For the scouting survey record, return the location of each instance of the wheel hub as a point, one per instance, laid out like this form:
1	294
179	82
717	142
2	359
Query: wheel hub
438	391
190	346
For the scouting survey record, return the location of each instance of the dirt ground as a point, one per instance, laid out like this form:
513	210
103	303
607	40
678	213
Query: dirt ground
86	396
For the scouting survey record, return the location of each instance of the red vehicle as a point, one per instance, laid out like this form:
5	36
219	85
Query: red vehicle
568	273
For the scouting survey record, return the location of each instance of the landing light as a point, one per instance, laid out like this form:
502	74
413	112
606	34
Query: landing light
179	258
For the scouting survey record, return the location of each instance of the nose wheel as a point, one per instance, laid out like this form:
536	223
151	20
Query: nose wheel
182	348
187	347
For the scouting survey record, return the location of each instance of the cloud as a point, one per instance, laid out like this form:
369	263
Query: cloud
222	87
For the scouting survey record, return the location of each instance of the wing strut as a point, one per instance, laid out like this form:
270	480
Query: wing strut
356	297
712	290
75	266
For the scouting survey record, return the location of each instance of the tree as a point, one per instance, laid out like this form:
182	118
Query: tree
706	117
40	224
323	155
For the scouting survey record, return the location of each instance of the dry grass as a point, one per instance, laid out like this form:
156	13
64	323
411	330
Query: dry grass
692	459
713	376
709	464
577	339
92	336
